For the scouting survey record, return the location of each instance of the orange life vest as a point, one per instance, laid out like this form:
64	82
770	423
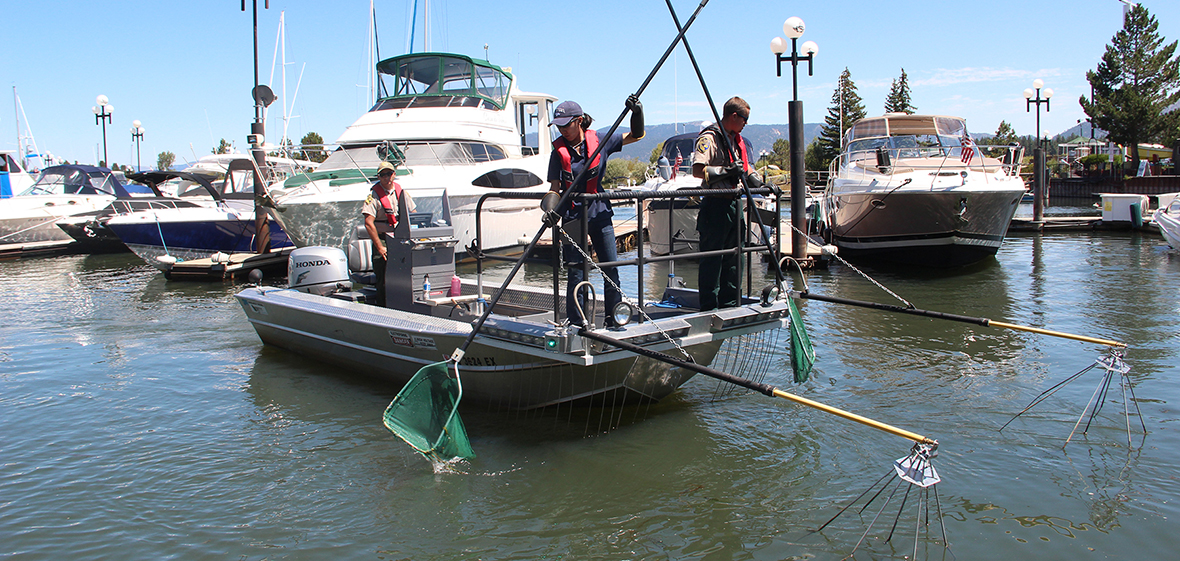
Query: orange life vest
563	150
383	199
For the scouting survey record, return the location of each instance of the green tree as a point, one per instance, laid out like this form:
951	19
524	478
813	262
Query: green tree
164	160
1004	136
223	148
898	100
1133	84
813	159
655	153
847	108
313	147
780	154
621	170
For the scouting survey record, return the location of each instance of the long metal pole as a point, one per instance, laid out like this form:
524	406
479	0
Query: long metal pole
565	198
798	181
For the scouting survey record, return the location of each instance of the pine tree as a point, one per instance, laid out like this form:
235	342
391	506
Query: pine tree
1004	136
898	100
1135	81
847	108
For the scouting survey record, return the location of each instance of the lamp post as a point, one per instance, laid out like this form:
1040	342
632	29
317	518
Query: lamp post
102	115
137	135
793	28
1039	151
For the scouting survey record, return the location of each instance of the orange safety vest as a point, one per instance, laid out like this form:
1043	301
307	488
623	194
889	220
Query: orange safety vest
563	150
383	198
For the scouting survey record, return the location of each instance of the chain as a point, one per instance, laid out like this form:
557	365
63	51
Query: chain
606	278
862	273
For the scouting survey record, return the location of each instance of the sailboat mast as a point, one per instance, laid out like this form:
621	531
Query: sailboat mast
16	112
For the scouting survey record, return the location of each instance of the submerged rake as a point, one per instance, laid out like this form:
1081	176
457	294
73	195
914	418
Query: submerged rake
1111	364
917	470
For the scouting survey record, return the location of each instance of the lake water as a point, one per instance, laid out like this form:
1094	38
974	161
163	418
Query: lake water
143	419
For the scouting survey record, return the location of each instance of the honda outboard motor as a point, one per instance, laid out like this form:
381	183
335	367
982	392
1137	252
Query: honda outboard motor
318	270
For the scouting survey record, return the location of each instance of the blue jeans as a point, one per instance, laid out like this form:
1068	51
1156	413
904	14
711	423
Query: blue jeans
602	238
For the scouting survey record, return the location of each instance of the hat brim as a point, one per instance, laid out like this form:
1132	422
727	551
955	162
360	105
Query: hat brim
563	121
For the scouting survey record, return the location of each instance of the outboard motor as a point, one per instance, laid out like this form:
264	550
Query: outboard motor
318	270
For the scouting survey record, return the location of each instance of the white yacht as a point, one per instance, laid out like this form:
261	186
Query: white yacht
60	191
914	189
462	124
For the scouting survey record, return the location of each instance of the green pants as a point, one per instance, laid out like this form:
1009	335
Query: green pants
719	224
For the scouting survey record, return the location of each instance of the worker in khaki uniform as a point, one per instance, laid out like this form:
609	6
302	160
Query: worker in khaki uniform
719	221
380	213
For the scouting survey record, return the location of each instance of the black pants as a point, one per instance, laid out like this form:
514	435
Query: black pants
719	224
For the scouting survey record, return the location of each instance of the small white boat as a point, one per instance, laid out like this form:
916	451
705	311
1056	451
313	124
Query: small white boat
1167	219
672	223
60	191
165	234
914	189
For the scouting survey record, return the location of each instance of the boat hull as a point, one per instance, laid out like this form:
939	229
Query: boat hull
948	228
31	219
1169	226
393	344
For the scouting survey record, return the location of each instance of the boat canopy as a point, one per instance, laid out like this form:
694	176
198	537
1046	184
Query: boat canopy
441	80
80	180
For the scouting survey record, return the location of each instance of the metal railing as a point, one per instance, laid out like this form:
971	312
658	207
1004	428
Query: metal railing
742	246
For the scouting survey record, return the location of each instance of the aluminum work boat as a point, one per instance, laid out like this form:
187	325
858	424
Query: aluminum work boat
915	189
524	356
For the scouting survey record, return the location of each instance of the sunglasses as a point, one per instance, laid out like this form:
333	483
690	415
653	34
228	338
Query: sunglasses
385	174
572	121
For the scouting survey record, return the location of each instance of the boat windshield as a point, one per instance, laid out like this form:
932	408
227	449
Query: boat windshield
907	136
417	154
441	80
67	181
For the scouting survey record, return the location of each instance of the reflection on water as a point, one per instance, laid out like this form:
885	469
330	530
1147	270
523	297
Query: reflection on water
144	412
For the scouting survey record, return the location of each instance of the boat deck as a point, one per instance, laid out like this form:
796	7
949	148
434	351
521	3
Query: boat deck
32	249
237	265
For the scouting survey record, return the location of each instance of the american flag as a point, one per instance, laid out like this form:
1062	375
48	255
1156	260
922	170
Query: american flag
968	150
676	166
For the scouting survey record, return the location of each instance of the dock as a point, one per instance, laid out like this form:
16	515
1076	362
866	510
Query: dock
35	249
1078	224
229	266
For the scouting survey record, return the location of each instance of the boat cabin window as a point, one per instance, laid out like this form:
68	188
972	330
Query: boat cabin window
417	153
527	118
433	80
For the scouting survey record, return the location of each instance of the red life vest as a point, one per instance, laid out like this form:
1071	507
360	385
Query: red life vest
739	143
383	199
563	150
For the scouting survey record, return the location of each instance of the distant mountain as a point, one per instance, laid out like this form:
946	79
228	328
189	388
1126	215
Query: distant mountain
761	137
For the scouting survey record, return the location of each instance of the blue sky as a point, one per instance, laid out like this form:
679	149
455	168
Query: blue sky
185	69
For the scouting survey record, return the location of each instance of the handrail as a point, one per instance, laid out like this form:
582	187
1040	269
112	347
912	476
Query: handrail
641	259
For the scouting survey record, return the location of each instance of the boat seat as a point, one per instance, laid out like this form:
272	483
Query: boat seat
360	256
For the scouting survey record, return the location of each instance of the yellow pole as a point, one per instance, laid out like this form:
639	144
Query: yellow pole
993	323
854	417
